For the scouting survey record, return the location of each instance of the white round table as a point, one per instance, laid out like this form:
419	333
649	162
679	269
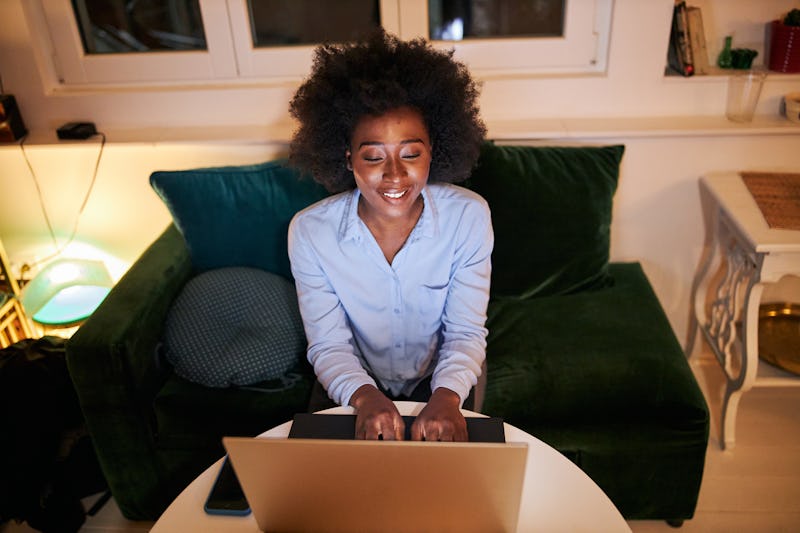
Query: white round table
556	496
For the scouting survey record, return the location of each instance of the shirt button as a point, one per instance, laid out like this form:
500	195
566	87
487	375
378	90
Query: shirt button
398	345
397	310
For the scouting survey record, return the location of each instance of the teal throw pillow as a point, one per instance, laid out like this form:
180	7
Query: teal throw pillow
234	326
551	212
237	215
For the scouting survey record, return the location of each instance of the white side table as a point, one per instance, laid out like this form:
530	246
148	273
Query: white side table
754	254
556	495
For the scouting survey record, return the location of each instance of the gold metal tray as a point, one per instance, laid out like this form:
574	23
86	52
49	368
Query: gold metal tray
779	335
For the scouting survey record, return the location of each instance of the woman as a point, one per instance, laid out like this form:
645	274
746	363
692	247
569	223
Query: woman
392	273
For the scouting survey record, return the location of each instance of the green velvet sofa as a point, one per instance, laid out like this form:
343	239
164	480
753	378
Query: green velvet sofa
580	353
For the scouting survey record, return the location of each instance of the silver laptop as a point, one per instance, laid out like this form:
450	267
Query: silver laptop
353	485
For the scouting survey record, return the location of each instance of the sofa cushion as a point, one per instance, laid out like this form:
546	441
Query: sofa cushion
234	326
606	354
551	211
237	215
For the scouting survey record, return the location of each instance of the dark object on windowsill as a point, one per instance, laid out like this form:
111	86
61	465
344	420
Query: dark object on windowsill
76	130
11	126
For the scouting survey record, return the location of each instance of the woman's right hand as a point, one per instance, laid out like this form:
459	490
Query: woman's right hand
376	415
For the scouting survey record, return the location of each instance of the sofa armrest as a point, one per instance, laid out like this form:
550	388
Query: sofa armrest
113	365
117	343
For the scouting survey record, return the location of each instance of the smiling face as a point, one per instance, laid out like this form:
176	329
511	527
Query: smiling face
390	156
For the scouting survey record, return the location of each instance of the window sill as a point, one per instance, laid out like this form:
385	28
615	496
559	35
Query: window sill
574	129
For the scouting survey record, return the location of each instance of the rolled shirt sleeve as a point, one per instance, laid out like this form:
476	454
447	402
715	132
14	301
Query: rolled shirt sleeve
330	340
463	348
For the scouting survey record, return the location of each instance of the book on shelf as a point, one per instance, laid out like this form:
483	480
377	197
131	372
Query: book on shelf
697	40
679	56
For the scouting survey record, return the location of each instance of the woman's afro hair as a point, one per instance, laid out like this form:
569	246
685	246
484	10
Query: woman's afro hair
350	81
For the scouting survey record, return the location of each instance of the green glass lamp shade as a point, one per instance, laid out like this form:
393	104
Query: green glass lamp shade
66	291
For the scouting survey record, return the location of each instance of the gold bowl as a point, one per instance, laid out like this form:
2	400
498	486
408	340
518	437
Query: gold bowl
779	335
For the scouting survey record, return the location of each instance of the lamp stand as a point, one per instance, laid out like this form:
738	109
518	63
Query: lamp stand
14	323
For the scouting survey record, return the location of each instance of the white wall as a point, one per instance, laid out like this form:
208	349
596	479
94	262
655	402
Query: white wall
657	217
633	86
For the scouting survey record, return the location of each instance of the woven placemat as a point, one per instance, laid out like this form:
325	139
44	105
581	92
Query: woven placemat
777	196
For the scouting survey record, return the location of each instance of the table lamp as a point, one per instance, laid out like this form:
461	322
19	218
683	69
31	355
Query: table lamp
66	291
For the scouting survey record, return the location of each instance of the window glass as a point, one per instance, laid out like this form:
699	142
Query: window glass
122	26
308	22
454	20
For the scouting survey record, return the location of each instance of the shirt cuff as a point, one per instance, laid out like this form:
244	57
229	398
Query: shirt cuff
345	390
459	387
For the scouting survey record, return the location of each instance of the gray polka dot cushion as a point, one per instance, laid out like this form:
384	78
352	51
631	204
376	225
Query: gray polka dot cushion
234	326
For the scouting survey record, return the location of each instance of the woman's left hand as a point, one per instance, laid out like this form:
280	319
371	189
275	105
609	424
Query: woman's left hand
441	419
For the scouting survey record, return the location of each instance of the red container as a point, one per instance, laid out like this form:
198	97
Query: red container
784	47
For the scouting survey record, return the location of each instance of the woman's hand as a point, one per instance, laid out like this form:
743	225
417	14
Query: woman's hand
376	415
441	418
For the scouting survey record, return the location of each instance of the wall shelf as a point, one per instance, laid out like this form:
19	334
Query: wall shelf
747	22
721	75
665	126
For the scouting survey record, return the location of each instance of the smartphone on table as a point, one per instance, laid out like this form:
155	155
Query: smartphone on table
226	496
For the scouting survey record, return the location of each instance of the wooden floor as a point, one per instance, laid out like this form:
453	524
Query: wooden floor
754	487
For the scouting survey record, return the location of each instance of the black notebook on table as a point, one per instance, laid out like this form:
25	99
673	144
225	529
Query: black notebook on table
343	427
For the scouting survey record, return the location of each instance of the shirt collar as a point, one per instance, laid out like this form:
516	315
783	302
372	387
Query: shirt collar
430	215
350	227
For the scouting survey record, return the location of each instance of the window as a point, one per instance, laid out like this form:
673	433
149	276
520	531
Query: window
98	64
511	37
276	38
95	43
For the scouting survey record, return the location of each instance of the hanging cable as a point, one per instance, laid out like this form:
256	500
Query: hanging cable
60	250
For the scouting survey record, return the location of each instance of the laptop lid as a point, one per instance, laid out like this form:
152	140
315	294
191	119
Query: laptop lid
355	485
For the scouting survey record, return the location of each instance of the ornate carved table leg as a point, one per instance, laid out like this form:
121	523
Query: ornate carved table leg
734	338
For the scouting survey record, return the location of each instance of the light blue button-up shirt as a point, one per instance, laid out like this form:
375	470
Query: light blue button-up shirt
423	314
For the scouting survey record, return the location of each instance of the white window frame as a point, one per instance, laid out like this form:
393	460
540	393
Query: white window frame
582	49
73	67
231	57
282	62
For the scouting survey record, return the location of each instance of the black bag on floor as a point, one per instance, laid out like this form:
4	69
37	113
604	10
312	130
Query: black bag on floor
46	457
